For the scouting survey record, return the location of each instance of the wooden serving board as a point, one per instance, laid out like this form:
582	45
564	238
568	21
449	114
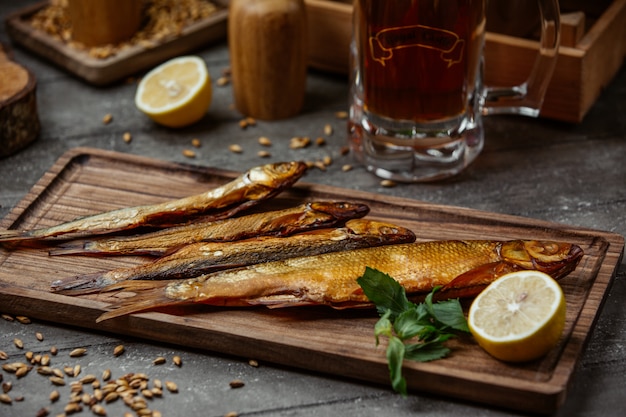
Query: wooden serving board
85	181
123	64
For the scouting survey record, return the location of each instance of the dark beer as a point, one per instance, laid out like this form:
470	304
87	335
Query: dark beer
420	58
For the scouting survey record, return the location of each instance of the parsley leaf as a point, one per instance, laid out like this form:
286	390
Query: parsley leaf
384	292
415	332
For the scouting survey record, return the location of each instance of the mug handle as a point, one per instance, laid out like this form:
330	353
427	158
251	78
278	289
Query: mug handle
526	98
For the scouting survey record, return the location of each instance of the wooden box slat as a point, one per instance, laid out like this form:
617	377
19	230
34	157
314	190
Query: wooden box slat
320	339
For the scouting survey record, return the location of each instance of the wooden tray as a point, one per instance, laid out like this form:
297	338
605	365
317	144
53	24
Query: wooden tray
592	51
126	62
84	181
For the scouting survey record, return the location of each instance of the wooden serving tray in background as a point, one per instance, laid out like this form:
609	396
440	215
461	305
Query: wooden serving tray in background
121	65
341	343
588	58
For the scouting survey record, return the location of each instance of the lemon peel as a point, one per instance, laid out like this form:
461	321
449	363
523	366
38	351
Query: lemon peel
519	317
176	93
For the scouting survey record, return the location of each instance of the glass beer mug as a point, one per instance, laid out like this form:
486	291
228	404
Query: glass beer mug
417	96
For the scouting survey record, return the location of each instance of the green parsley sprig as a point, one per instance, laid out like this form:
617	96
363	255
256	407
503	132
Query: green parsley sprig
416	332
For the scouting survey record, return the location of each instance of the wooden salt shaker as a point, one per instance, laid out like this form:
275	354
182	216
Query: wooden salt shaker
268	56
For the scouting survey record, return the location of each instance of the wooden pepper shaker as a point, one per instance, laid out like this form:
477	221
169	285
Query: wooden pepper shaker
268	56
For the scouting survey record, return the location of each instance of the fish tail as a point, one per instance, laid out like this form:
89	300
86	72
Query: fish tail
81	284
149	295
13	235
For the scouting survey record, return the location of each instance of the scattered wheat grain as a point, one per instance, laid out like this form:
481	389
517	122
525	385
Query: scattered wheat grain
23	319
171	386
118	350
159	361
189	153
57	381
236	383
78	352
235	148
43	412
54	396
98	410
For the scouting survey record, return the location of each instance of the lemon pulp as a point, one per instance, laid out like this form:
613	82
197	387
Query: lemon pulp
519	317
177	93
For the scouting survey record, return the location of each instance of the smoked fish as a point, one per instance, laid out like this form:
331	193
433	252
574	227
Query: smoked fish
306	216
202	258
250	188
331	279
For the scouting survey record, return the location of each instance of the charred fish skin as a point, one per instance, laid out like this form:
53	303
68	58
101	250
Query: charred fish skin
202	258
250	188
307	216
330	279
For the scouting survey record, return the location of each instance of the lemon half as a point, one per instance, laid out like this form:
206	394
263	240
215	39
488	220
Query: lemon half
177	93
519	317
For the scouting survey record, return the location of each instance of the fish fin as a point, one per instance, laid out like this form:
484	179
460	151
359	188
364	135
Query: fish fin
81	284
149	295
472	282
136	285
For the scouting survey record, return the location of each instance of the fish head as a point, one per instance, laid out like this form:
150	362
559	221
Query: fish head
556	259
364	227
340	210
278	176
277	172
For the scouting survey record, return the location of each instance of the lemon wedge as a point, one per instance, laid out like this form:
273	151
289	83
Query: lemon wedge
518	317
176	93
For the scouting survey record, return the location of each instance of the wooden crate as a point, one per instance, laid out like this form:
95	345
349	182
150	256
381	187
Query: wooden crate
592	51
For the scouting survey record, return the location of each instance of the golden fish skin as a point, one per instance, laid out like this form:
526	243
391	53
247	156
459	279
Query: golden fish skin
201	258
250	188
328	279
285	222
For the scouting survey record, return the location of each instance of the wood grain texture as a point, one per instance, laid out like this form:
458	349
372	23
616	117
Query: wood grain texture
330	32
84	181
